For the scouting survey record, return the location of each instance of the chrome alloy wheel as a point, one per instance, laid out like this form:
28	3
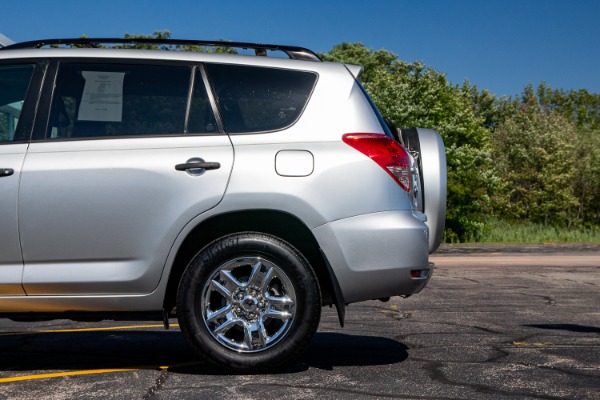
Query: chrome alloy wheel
248	304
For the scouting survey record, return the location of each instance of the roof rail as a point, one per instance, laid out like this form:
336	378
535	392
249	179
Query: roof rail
293	52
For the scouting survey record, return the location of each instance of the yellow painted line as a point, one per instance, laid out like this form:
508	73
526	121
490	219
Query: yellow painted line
91	372
62	374
110	328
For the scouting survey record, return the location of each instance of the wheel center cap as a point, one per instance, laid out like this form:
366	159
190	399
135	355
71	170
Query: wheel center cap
249	304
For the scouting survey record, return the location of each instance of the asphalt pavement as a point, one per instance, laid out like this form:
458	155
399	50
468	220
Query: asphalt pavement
485	330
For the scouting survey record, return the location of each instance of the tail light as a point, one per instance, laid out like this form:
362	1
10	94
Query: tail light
386	152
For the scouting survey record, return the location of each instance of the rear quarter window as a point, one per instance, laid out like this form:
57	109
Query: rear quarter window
258	99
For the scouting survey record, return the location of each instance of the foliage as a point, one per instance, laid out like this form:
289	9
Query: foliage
580	107
501	231
587	182
165	34
534	154
160	34
583	110
491	109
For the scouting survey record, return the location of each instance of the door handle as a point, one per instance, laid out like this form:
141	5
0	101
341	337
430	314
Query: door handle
6	172
197	165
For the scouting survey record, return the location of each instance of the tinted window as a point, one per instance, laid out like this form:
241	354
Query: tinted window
254	99
96	100
14	81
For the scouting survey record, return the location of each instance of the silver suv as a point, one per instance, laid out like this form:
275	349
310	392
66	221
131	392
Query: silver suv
240	193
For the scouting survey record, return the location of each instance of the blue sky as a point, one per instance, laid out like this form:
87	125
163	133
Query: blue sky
500	45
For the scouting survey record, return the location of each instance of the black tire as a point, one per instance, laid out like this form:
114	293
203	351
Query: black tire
249	302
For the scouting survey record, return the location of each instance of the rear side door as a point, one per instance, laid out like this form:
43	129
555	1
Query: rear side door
106	185
19	87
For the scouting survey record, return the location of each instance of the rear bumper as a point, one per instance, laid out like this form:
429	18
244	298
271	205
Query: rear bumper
372	255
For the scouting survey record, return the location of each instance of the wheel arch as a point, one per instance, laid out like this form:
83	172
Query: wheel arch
274	222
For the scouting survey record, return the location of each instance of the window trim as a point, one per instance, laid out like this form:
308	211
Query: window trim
31	100
212	98
49	91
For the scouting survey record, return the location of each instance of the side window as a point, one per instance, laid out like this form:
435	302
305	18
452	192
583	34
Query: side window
255	99
14	81
113	100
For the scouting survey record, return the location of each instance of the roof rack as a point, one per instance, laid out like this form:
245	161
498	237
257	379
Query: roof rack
295	53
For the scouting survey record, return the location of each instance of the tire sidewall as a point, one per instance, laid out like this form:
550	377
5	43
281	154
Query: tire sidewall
202	267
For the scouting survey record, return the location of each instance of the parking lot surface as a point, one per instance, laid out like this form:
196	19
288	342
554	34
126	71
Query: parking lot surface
507	326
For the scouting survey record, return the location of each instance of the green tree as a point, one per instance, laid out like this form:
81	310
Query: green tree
578	106
587	180
166	34
491	109
412	94
583	110
534	154
159	34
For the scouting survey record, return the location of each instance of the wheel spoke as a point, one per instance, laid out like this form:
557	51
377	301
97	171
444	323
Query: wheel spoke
260	276
280	303
227	325
275	314
230	281
221	289
254	335
249	304
216	315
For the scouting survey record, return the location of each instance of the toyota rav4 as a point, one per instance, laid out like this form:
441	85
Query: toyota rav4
237	192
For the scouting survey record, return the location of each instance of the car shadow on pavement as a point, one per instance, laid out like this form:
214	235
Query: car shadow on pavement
40	351
49	351
329	350
568	327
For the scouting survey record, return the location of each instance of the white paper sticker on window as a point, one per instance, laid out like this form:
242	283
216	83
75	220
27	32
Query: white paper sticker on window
102	98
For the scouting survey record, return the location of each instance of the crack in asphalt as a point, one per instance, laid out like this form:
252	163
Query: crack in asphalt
158	384
577	372
566	279
455	324
487	283
549	300
434	371
501	354
362	393
473	280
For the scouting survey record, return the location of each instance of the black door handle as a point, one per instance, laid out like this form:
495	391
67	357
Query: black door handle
197	165
6	172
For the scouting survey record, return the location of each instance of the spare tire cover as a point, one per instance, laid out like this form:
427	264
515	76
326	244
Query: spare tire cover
434	178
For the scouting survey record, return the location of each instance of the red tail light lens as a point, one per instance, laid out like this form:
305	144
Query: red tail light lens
386	152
